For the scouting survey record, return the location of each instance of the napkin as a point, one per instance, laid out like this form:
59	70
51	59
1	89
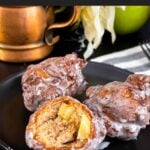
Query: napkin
132	59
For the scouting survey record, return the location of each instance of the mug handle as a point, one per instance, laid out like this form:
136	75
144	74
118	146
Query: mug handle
52	40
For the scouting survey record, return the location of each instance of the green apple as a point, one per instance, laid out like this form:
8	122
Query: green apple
131	19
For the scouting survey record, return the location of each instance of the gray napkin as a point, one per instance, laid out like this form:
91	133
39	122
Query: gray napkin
132	59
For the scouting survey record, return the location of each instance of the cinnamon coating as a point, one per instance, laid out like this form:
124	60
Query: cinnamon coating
123	105
54	77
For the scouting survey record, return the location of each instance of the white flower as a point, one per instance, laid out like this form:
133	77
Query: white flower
95	20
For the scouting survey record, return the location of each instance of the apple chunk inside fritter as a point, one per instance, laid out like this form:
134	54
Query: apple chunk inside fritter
67	112
62	124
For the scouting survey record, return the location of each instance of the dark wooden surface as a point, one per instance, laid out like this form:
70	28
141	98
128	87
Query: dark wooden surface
68	44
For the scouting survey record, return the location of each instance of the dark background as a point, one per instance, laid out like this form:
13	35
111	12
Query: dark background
74	2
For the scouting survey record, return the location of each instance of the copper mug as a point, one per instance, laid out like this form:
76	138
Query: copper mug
24	32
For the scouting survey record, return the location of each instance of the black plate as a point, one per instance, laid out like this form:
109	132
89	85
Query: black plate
14	116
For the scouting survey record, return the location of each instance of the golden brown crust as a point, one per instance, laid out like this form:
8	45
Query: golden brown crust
125	106
118	100
53	77
38	117
141	83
